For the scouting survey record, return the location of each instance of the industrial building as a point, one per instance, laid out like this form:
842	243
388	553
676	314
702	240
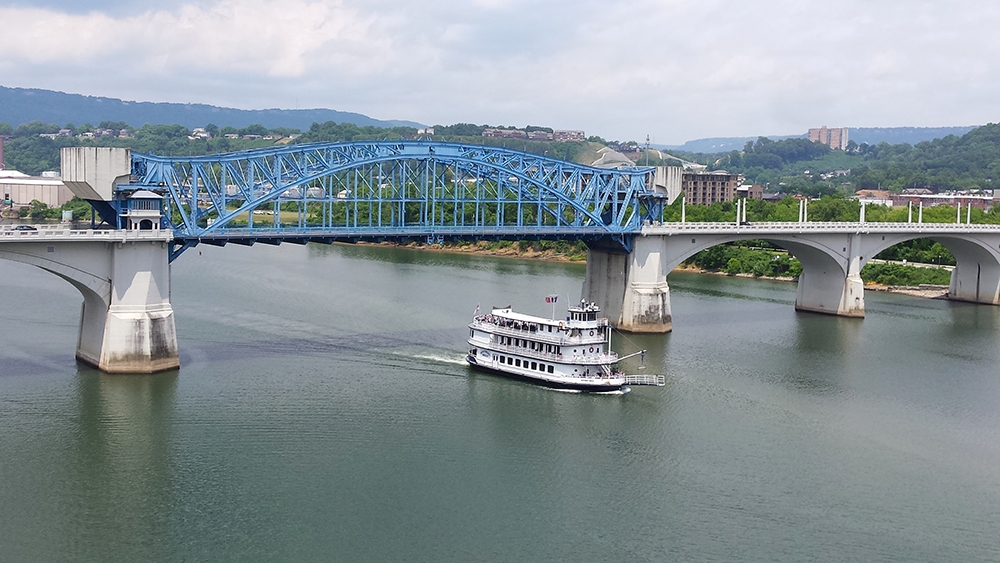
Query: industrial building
21	189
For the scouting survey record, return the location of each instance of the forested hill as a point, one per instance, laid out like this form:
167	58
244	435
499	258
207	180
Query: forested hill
971	161
869	135
24	105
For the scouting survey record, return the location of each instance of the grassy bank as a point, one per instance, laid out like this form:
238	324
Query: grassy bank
766	262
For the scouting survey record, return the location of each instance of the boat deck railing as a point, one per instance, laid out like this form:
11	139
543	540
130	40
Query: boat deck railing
646	379
541	336
593	359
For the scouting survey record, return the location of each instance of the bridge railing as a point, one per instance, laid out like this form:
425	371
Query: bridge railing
57	233
813	226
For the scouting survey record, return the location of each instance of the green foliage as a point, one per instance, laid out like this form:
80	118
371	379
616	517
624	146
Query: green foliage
460	130
746	258
798	166
35	128
39	211
741	258
900	275
80	208
923	251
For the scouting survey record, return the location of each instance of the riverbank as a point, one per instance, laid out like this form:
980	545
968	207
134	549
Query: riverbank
534	250
514	250
927	291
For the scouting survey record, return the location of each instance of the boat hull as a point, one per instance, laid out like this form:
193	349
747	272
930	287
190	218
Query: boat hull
568	385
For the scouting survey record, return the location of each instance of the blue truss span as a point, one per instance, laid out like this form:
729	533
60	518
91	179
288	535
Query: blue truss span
392	190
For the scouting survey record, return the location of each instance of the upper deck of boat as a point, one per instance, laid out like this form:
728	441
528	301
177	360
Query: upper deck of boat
578	318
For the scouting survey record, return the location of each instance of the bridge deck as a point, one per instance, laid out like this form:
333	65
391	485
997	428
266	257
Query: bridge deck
63	233
814	227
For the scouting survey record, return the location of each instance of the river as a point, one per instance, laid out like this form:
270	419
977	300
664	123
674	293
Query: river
323	412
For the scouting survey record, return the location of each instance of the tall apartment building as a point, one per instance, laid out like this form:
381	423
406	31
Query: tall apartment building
706	188
835	138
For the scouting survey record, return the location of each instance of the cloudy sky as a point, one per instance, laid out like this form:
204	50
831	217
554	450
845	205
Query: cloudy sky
673	69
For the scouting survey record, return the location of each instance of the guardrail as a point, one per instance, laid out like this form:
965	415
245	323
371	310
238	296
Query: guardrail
815	226
56	233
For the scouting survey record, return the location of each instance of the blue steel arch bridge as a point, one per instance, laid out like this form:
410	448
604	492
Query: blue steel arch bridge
389	190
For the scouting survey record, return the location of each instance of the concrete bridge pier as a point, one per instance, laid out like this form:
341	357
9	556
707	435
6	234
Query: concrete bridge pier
976	277
830	281
131	329
631	288
126	321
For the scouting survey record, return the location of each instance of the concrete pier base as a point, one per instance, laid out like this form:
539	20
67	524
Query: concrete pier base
631	289
976	277
133	331
830	282
126	321
647	309
831	295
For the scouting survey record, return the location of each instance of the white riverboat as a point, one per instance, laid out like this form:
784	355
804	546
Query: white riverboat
566	354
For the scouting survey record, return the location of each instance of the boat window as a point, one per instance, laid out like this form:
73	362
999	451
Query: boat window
550	369
534	365
517	362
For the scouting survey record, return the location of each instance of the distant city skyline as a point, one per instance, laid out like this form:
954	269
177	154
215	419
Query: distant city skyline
672	69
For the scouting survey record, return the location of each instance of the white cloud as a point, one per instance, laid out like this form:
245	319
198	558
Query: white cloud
676	69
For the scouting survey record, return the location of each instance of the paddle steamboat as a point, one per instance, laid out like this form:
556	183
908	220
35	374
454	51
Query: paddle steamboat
567	354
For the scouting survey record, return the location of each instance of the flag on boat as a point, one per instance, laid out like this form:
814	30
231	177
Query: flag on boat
551	298
477	309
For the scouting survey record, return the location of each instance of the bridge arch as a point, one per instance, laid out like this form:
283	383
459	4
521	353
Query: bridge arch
976	276
830	281
395	189
89	284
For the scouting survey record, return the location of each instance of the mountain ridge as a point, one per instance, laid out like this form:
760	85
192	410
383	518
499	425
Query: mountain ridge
869	135
24	105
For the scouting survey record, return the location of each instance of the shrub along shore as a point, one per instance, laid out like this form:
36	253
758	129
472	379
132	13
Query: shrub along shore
747	260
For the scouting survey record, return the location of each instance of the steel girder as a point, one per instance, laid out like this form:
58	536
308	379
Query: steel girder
385	190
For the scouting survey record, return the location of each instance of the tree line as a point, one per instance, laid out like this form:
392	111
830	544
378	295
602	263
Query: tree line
967	162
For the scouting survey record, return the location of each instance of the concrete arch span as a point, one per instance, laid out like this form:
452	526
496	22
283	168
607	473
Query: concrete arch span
976	277
126	320
632	288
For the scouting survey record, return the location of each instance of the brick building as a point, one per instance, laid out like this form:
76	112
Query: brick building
706	188
835	138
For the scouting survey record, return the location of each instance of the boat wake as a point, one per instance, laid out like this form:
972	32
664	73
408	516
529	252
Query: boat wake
456	360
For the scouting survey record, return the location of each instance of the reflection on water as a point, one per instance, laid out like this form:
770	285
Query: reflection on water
123	473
